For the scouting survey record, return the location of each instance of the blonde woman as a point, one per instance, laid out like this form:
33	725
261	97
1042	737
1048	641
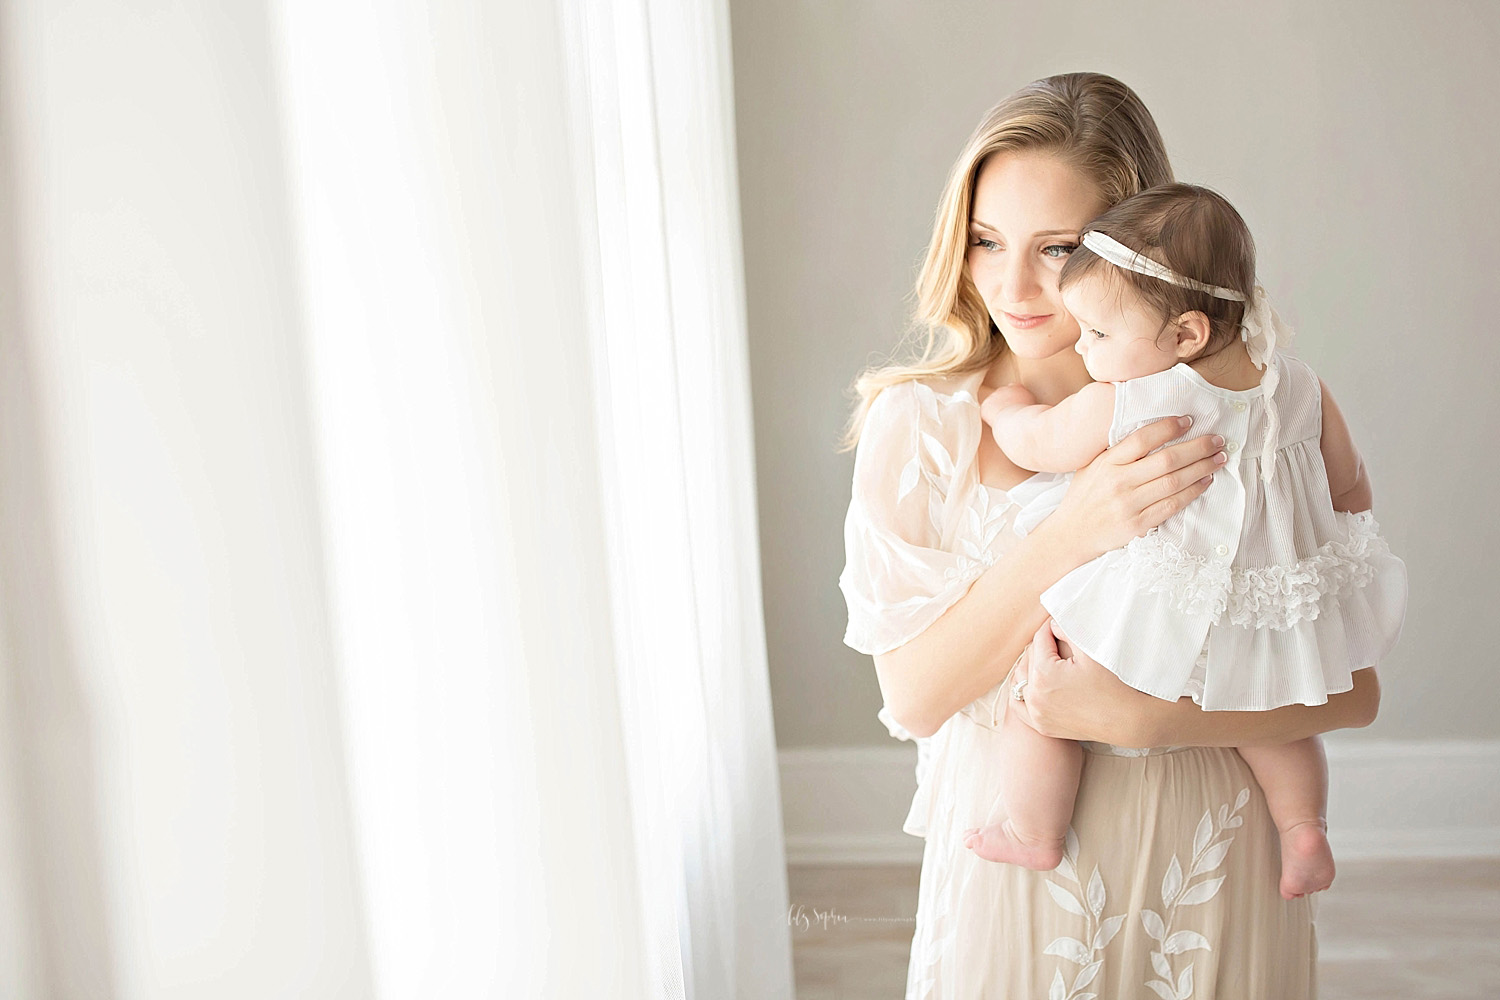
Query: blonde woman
1168	884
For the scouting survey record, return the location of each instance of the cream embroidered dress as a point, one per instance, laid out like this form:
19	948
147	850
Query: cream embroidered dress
1169	884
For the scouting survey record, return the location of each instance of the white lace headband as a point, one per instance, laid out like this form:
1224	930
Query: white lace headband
1262	329
1121	255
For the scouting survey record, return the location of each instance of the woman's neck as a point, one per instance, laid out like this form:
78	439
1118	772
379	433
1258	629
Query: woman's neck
1050	380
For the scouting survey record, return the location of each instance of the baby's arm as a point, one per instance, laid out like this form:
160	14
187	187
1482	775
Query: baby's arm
1060	438
1348	482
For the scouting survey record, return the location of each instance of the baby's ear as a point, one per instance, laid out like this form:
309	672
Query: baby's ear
1193	330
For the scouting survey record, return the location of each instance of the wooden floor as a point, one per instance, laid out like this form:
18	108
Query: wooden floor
1407	930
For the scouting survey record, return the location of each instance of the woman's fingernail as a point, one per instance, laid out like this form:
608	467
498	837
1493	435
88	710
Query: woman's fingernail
1184	421
1218	441
1220	458
1206	481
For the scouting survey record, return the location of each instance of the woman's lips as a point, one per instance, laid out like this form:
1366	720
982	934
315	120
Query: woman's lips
1025	322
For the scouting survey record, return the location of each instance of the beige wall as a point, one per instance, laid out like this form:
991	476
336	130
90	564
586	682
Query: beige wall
1360	142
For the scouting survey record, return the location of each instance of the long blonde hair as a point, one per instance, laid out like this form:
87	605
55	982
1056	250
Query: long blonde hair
1090	120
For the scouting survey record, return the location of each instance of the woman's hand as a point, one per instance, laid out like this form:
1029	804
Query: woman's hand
1068	695
1128	490
1071	697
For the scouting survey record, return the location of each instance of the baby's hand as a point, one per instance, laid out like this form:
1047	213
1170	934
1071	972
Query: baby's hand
1004	398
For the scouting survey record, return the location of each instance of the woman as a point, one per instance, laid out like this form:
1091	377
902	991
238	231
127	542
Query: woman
1169	883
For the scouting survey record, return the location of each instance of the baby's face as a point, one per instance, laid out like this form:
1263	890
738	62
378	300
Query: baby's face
1119	337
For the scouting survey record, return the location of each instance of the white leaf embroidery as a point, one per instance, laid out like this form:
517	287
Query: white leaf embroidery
1059	990
1204	835
927	400
1171	882
1107	931
935	511
1072	949
1202	892
909	477
1065	899
941	460
1185	984
1096	893
1212	858
1086	975
1184	941
1065	869
1207	856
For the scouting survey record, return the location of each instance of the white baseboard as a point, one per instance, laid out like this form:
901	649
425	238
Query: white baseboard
1388	799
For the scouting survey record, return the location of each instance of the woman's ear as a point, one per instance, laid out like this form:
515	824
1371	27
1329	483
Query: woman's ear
1193	329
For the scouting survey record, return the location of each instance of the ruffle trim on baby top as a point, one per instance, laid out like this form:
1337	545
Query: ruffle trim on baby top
1274	597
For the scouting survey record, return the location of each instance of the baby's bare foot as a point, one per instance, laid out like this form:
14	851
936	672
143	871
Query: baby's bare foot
1306	859
1000	842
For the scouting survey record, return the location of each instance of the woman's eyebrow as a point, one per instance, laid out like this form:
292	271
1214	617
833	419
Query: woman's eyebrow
977	224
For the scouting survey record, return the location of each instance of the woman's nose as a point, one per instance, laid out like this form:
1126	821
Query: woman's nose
1020	281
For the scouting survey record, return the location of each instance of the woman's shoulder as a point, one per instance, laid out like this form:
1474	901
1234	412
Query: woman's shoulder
927	402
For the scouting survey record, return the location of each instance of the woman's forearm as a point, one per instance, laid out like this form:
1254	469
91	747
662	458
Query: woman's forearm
1162	723
972	646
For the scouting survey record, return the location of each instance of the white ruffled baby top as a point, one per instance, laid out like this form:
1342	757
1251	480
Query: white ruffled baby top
1258	594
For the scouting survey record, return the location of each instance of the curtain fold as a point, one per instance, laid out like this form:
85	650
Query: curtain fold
386	421
654	119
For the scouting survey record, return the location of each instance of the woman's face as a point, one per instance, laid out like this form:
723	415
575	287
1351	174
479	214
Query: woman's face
1028	215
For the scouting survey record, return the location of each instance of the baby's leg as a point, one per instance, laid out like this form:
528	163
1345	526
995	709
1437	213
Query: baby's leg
1041	784
1294	777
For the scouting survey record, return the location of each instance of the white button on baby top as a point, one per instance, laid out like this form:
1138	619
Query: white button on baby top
1239	406
1232	447
1222	550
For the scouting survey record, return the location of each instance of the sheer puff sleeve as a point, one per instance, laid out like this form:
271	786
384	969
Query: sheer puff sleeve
908	555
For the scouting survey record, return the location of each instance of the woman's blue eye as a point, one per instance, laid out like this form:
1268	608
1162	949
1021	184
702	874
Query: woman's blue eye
987	244
1065	248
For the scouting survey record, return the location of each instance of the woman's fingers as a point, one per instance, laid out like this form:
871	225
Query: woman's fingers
1043	642
1185	461
1022	712
1142	442
1164	508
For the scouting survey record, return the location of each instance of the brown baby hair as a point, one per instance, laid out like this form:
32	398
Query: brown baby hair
1193	231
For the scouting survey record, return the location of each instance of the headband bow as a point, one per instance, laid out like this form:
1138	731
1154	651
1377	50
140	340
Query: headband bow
1263	330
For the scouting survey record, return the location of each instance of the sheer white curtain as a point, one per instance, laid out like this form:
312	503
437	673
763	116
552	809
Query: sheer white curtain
382	603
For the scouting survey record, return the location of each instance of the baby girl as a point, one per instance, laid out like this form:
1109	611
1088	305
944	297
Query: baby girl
1271	588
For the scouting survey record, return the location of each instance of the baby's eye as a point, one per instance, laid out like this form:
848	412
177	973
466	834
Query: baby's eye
1097	334
1063	250
987	244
